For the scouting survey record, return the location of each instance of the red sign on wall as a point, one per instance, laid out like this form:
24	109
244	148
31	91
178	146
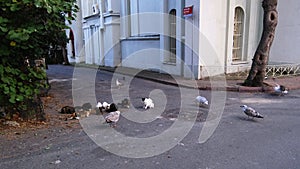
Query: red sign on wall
188	11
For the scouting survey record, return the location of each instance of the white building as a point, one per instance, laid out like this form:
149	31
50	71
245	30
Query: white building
287	36
216	37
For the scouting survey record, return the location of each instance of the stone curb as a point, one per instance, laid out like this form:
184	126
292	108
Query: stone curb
235	88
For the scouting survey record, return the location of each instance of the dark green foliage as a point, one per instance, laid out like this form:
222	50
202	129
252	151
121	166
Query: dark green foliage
28	28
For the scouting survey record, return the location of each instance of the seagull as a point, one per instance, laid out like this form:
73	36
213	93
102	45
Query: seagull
148	102
112	118
250	112
118	83
280	89
202	100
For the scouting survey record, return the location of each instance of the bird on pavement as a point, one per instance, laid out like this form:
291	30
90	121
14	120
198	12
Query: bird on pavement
279	89
148	102
250	112
202	101
112	118
118	83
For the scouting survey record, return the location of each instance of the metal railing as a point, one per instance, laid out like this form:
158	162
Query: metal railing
276	70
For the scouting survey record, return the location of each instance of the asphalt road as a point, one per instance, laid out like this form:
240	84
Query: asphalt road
237	142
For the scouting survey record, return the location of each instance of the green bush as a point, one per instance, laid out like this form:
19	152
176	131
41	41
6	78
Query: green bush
28	28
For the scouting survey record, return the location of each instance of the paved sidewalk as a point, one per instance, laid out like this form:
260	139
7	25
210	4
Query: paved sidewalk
219	83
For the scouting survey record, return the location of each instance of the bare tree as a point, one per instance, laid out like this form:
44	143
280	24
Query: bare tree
259	62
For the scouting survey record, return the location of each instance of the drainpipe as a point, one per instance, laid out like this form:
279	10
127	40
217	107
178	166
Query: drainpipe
182	39
226	39
102	26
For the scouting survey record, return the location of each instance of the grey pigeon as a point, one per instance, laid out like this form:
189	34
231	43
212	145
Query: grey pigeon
201	100
250	112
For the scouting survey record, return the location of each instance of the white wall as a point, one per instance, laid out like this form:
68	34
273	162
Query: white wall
252	33
285	48
140	54
212	37
101	33
216	35
143	35
191	39
111	40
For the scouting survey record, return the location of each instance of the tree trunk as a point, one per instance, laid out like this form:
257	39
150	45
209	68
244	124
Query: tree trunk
64	54
259	62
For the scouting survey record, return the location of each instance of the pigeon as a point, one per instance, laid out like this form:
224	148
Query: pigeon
118	83
250	112
148	103
202	101
112	118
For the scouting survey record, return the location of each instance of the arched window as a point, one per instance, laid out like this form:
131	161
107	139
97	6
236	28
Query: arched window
238	34
172	36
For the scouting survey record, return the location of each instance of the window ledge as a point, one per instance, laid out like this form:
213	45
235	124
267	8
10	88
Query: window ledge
239	62
169	63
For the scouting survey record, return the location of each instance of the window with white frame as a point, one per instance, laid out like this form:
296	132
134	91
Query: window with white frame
172	37
238	34
141	22
87	7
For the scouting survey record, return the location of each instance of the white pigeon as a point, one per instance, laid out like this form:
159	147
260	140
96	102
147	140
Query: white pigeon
250	112
148	103
118	83
202	100
112	118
